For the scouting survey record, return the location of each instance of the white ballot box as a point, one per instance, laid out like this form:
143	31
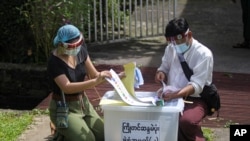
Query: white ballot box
123	122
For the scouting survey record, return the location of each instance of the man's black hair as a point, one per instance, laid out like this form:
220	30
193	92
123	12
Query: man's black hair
176	26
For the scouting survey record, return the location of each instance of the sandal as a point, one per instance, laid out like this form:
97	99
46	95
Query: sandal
242	45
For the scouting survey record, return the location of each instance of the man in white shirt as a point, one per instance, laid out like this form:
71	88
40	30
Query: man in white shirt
200	60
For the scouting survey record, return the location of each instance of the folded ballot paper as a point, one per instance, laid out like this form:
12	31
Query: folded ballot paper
125	88
124	93
133	77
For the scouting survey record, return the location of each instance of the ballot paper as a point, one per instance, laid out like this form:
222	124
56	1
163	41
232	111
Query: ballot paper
129	80
119	87
166	89
125	89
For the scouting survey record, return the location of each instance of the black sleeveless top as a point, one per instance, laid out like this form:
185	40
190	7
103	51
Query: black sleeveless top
56	67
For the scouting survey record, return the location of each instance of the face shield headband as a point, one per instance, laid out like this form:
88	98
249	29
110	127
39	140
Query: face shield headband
74	45
177	37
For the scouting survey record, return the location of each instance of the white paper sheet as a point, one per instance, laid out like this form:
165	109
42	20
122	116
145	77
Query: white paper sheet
116	82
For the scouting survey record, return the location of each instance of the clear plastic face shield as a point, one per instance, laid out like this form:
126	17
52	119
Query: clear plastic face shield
73	48
173	39
181	47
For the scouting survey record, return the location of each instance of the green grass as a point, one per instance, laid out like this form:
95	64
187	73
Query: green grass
208	134
14	123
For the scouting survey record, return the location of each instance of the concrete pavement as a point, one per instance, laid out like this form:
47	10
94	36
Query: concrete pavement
38	131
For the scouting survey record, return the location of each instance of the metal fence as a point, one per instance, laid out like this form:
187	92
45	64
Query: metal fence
113	20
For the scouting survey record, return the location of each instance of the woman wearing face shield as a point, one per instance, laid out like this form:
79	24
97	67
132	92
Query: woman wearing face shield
182	46
68	65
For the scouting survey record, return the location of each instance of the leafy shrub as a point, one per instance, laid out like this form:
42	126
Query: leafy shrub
29	26
14	43
44	18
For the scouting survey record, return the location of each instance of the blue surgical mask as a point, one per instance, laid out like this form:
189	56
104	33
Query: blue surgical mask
181	48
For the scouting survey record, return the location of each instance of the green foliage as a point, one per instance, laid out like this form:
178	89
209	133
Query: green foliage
14	43
29	26
208	134
228	123
116	7
39	112
45	17
13	124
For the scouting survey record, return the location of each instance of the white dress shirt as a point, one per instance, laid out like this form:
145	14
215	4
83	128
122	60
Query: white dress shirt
198	57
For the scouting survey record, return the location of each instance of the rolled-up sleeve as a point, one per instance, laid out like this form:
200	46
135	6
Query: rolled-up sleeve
202	75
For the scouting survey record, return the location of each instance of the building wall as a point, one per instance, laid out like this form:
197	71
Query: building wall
22	86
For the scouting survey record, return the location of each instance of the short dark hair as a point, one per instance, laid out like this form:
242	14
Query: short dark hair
176	26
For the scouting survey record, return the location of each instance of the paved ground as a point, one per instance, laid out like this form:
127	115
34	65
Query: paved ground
215	23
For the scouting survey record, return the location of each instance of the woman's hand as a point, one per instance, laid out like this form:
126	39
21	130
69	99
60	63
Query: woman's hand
122	75
102	75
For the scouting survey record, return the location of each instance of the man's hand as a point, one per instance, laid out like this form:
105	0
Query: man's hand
159	77
169	96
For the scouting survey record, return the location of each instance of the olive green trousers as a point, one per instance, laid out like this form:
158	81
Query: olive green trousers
84	122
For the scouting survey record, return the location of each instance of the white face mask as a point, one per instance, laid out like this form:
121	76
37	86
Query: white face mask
72	52
181	48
